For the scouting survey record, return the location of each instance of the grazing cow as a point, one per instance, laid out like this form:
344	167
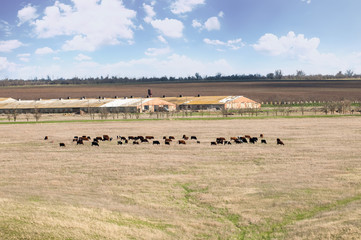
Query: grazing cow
46	138
130	138
95	144
261	135
234	138
95	140
238	141
168	140
99	138
171	137
247	136
181	142
144	140
125	141
193	137
80	141
213	143
227	143
120	142
106	138
198	142
252	140
185	137
149	137
220	140
123	138
280	142
164	137
243	139
62	144
167	143
263	141
156	142
75	136
75	139
135	143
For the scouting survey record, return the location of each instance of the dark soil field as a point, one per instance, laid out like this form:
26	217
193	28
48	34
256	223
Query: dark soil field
257	90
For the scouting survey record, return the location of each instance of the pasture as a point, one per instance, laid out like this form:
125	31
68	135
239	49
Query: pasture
310	188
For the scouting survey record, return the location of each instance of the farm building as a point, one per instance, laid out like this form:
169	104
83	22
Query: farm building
139	105
212	102
85	105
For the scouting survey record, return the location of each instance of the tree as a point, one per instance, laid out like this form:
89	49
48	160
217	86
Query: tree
349	73
198	76
300	74
36	114
278	74
339	75
270	76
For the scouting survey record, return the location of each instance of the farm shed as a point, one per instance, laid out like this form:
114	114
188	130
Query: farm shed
212	102
139	105
51	105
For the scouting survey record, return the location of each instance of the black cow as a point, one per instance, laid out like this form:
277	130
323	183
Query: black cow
213	143
280	142
46	138
193	137
135	143
263	141
95	144
80	141
167	143
144	140
120	142
62	144
156	142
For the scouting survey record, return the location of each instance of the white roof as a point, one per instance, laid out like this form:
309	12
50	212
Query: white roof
229	98
126	102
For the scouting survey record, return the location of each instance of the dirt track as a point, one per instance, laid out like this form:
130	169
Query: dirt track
257	90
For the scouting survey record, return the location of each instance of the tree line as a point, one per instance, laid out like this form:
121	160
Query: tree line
276	75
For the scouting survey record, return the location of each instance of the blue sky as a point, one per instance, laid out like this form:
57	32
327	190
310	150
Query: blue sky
136	38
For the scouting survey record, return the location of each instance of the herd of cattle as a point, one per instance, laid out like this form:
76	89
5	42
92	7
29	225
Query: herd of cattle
136	140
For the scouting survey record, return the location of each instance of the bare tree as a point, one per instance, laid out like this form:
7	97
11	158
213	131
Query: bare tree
349	73
36	114
103	113
278	74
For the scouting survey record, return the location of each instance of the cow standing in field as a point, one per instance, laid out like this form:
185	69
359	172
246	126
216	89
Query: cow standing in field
95	143
280	142
181	142
46	138
193	138
263	141
156	142
80	141
62	144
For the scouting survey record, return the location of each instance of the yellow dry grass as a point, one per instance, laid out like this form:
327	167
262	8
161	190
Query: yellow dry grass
308	189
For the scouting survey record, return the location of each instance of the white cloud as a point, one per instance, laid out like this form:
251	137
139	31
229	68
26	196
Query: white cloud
221	14
290	45
92	23
44	51
157	51
232	44
183	6
81	57
196	24
5	27
308	1
162	39
9	45
26	14
169	27
212	24
5	65
24	57
150	14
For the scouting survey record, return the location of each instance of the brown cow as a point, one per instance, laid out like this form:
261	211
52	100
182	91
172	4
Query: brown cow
280	142
106	138
149	137
234	138
171	137
181	142
46	138
247	136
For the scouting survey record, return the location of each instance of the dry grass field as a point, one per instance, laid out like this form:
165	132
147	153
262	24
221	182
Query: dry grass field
308	189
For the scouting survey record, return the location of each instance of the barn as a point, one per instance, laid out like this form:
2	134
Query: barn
139	105
212	102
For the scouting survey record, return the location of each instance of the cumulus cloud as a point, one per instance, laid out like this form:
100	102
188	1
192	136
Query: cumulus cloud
9	45
157	51
44	51
150	13
212	24
81	57
184	6
169	27
232	44
92	23
26	14
5	65
24	57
